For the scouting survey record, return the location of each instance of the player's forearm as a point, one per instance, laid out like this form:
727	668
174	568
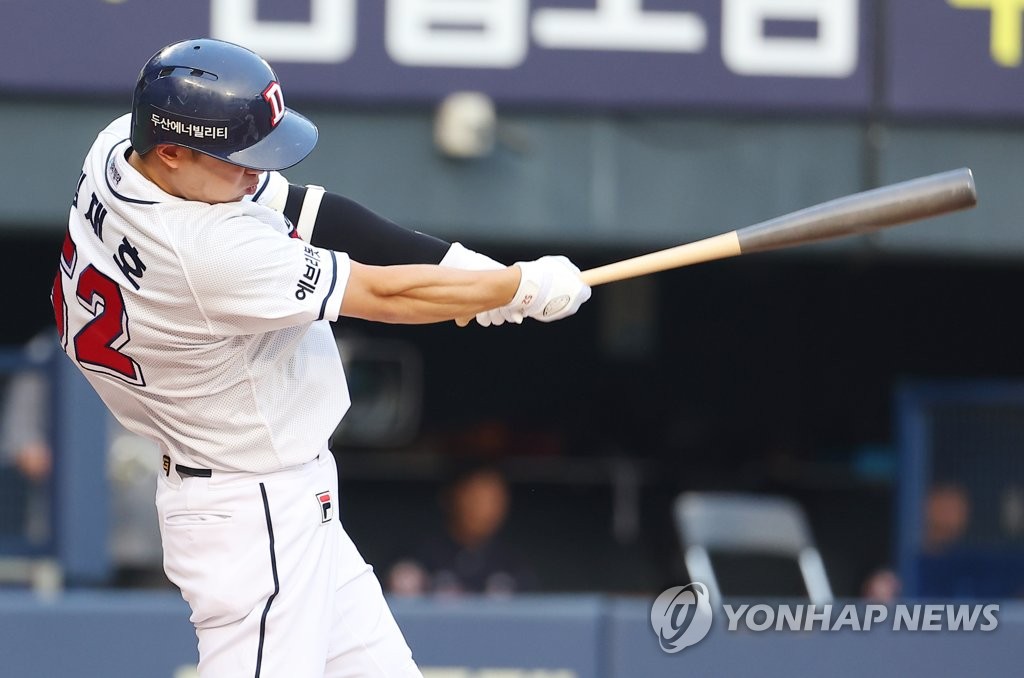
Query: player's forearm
415	294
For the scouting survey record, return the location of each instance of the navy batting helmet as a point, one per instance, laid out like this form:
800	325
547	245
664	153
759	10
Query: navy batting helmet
219	99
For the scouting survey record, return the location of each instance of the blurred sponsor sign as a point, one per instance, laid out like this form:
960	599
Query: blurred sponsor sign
955	57
787	54
937	56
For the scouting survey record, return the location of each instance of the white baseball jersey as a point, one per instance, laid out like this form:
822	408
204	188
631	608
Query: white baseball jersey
203	327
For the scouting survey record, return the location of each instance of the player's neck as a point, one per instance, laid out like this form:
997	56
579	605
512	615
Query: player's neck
153	174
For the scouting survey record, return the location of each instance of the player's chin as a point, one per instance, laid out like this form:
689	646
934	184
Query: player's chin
241	194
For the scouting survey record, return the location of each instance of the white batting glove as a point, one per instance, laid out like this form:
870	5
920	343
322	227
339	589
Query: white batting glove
550	289
499	316
462	257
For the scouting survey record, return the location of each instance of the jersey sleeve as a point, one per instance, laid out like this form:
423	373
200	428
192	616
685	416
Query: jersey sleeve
249	278
272	191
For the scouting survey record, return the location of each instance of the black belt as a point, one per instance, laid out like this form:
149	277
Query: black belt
192	472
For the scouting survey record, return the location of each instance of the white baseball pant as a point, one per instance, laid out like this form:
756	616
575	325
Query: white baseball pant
276	586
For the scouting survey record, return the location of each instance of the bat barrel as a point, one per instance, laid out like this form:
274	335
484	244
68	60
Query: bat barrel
865	212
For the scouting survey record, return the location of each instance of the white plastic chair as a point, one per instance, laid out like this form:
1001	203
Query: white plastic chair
747	524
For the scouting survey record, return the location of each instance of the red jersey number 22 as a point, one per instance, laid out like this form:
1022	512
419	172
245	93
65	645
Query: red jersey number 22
99	343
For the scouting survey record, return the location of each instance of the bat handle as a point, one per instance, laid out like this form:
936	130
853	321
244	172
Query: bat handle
708	249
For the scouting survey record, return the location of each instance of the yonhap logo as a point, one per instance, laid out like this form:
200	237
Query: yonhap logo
681	616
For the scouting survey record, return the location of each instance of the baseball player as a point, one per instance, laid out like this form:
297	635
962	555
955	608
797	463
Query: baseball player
194	290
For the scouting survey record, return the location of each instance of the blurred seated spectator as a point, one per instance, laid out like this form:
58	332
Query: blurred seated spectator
470	555
947	513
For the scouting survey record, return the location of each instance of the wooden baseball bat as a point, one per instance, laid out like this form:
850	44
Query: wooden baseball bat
859	213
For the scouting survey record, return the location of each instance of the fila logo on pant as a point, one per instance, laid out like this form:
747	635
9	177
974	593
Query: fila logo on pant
326	508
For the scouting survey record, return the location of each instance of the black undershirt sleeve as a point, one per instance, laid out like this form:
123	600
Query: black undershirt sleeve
344	225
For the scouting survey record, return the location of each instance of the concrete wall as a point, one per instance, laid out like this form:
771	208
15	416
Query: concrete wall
147	635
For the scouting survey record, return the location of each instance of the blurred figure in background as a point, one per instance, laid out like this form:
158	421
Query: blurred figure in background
25	446
947	513
24	440
471	554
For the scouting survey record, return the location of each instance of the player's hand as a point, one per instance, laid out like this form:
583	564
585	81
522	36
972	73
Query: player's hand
550	289
498	316
35	461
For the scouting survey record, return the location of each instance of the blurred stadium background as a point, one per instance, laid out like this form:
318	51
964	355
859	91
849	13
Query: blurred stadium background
876	382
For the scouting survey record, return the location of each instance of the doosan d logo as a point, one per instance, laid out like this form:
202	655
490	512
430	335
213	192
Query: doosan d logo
681	616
